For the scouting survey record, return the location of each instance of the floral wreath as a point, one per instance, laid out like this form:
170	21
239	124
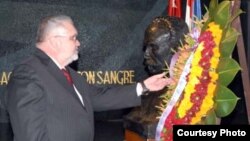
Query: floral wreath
202	69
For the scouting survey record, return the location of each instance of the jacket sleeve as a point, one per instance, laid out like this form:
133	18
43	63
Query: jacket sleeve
26	105
112	98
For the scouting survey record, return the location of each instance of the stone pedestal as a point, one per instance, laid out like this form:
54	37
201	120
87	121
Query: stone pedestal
140	124
136	131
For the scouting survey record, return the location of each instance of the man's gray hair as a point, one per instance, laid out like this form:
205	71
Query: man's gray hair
49	23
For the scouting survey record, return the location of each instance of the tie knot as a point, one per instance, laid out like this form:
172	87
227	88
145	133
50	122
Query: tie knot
67	75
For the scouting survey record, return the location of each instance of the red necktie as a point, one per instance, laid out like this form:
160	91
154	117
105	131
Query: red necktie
67	75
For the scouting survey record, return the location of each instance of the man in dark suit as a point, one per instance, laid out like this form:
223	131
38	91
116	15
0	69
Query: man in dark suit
46	104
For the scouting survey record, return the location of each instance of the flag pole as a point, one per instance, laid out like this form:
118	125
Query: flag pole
242	57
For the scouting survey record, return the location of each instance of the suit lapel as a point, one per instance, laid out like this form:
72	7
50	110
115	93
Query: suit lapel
79	85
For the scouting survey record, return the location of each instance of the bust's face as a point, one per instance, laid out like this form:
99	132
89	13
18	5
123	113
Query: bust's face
157	53
162	36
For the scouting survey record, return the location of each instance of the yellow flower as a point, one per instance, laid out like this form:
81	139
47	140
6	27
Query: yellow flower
207	104
214	62
184	106
186	103
197	70
216	52
212	87
196	58
216	32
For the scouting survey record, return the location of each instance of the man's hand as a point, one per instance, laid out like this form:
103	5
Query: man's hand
157	82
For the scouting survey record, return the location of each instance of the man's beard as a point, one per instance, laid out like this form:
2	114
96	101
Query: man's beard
74	57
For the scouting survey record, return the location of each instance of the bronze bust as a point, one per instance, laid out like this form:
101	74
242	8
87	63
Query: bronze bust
162	35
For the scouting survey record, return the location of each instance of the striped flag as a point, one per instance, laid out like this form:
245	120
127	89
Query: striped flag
193	12
197	9
174	8
189	13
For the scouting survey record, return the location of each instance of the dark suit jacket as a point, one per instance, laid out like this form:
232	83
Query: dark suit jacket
44	107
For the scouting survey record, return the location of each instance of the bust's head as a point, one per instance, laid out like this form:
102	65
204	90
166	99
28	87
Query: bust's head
161	36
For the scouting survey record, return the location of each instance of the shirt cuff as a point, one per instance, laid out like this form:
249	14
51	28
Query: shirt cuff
139	89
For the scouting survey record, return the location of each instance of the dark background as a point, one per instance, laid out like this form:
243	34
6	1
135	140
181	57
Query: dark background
111	35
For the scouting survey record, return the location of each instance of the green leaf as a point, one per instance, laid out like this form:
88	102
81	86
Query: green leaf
227	69
222	13
211	11
210	118
212	7
228	42
225	101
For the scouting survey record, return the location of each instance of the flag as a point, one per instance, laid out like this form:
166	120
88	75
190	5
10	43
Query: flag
197	9
193	12
189	13
174	8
